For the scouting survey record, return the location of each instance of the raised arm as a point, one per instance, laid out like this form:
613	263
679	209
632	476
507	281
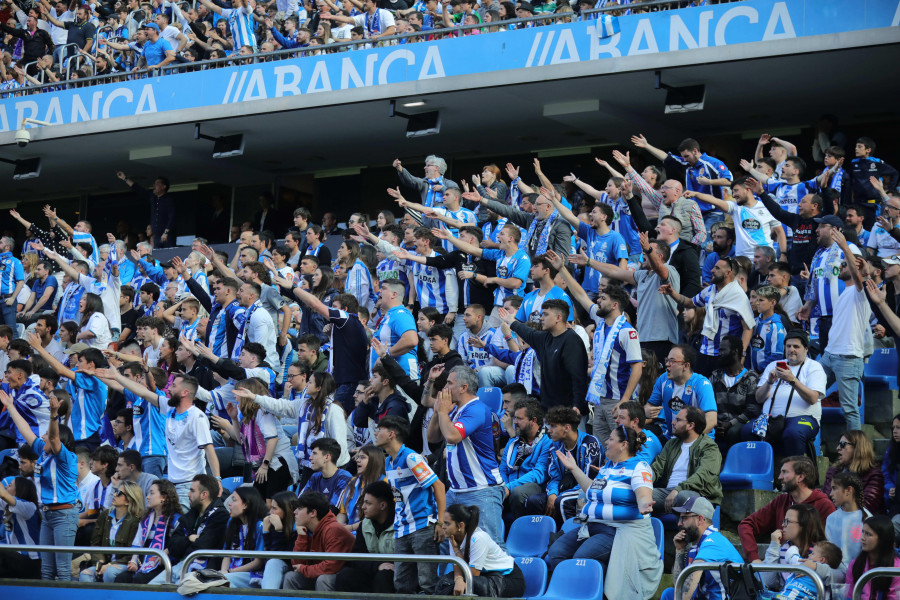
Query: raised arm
757	175
614	271
15	215
720	204
545	182
574	288
657	264
211	6
443	234
641	142
21	424
852	260
212	257
564	212
35	341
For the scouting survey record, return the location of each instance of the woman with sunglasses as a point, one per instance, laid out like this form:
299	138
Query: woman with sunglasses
619	500
856	455
116	526
877	550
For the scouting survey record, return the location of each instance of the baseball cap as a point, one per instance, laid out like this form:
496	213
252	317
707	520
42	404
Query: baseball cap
76	348
892	260
832	220
526	6
699	506
151	26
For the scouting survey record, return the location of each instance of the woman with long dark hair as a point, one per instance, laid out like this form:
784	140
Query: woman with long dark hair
359	278
494	572
19	503
323	284
279	535
890	469
369	469
244	532
153	532
791	544
877	551
94	328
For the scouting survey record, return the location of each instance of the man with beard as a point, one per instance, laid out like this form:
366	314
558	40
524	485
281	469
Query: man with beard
525	459
688	465
735	391
728	312
851	334
678	387
722	246
698	541
201	528
188	439
798	480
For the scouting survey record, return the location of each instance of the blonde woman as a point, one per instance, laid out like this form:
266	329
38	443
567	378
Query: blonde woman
116	526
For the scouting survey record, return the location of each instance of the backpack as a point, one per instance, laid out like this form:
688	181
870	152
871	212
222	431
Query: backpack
740	582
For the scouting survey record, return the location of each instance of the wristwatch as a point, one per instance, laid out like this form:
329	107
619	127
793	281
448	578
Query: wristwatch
265	462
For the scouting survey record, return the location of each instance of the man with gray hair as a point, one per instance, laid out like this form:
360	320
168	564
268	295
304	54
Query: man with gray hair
12	278
430	188
466	423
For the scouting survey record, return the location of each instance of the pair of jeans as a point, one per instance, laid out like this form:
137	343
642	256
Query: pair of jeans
659	498
604	421
490	376
419	542
517	502
597	546
58	528
848	372
490	504
242	580
9	315
154	465
109	575
273	574
295	581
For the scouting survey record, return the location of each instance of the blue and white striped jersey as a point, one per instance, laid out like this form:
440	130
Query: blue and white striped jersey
824	285
240	21
533	303
391	268
474	356
218	330
149	423
788	195
395	323
767	343
33	405
463	214
730	321
359	284
411	479
516	266
706	166
435	287
22	527
69	303
472	463
88	403
81	237
609	248
611	496
56	475
11	273
616	355
490	230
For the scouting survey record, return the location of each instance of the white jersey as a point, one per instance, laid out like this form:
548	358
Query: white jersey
186	436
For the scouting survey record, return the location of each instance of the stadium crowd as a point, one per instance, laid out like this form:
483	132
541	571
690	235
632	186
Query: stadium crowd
638	328
45	43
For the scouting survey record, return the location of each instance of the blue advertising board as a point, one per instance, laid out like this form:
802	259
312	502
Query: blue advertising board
750	21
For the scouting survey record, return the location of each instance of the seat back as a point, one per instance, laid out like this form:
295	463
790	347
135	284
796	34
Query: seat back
232	483
535	572
658	533
530	535
755	459
882	362
493	397
570	524
577	579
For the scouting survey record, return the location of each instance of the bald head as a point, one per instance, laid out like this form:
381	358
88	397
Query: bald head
671	191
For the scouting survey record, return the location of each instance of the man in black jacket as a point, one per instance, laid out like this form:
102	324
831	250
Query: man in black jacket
201	528
35	42
381	399
162	209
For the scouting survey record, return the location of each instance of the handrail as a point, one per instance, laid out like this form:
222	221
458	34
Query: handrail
350	557
870	575
758	567
163	557
335	47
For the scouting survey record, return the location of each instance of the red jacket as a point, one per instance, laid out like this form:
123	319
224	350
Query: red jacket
329	536
769	518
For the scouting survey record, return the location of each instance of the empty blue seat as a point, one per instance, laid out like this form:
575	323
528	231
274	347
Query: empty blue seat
493	397
749	465
229	484
530	535
670	520
668	594
535	572
659	533
570	524
834	414
576	579
882	368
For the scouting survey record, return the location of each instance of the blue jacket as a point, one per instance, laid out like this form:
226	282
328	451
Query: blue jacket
156	274
533	468
588	453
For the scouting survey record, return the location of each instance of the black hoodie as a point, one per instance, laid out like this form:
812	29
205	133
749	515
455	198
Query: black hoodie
209	527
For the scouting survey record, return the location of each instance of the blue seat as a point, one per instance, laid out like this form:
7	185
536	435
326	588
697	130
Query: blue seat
535	572
229	484
576	579
834	414
530	535
493	397
444	569
668	594
659	533
881	370
749	465
570	524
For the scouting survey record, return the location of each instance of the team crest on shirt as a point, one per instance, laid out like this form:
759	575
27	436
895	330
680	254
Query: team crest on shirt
632	335
688	391
398	497
751	224
598	484
495	429
648	478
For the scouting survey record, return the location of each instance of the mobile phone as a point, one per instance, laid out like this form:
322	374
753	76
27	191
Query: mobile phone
781	365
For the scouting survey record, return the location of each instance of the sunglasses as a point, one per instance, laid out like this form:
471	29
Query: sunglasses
118	493
843	444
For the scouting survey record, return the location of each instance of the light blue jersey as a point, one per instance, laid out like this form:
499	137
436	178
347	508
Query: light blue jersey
395	323
532	306
767	342
56	475
609	249
88	403
696	391
472	463
149	423
713	547
516	266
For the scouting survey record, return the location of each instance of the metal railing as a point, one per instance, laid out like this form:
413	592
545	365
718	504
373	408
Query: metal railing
869	576
758	568
350	557
76	550
336	47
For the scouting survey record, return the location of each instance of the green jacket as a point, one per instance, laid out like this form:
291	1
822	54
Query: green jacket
378	544
124	536
704	465
321	364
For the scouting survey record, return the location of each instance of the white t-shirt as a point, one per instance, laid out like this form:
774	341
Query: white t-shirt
186	436
680	470
170	34
85	489
99	326
881	241
486	555
752	227
151	353
850	326
812	375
